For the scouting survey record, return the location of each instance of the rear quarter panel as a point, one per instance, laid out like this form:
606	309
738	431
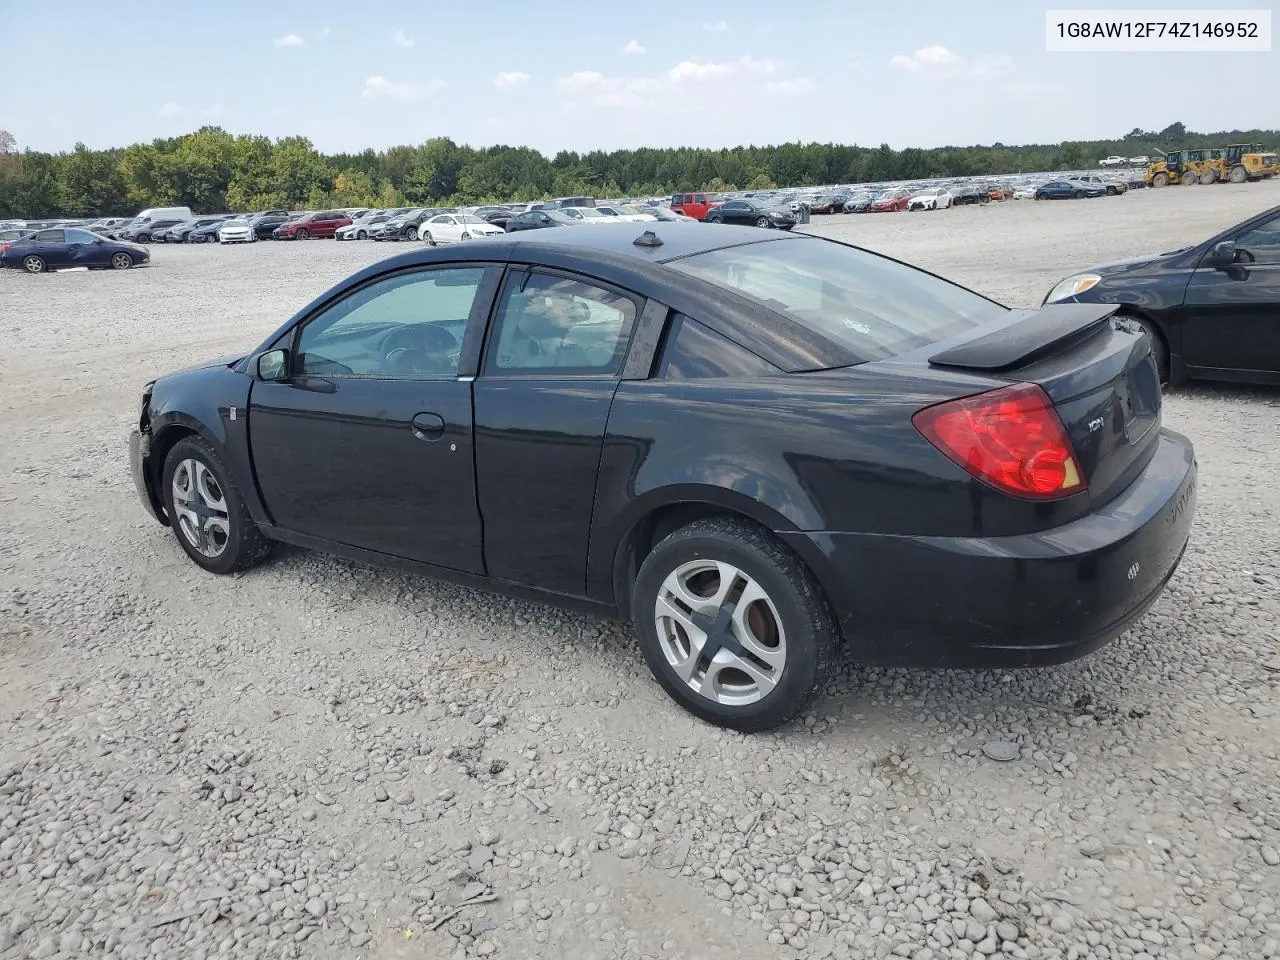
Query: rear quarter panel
831	451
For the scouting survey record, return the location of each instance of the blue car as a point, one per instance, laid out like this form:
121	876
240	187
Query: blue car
1069	190
58	248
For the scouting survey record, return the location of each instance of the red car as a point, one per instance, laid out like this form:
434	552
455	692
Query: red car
695	205
893	200
323	224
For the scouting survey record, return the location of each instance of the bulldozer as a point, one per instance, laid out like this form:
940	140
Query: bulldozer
1171	168
1240	162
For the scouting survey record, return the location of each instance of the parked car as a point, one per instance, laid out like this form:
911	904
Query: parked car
14	233
1024	193
267	222
181	232
1111	184
206	234
497	216
859	203
143	232
238	230
936	198
1112	162
623	213
321	225
754	448
967	193
540	219
890	200
1000	192
587	215
1209	309
695	205
59	247
456	227
1069	190
751	212
405	226
828	203
664	214
361	227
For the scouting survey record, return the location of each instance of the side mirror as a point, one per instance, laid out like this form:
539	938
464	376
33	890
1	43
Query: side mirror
1223	253
273	365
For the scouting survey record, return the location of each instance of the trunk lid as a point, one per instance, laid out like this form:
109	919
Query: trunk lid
1098	370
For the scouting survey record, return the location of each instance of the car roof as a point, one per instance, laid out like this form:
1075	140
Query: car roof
619	239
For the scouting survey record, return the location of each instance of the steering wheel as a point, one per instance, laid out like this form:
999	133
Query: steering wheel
418	348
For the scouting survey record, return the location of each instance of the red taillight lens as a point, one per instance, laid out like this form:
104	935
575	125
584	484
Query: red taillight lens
1010	438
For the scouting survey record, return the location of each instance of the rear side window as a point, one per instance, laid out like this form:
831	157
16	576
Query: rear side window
694	351
875	306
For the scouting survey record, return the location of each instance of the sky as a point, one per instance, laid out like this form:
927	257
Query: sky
562	74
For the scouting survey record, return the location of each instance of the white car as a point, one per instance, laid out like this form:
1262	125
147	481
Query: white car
361	229
935	199
1139	161
236	231
587	215
1112	162
1024	193
625	214
456	227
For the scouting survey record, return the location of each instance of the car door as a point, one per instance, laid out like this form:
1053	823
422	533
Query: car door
553	356
86	250
52	247
733	211
443	228
368	441
1231	313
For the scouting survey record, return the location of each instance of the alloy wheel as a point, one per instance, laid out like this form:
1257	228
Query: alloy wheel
720	632
122	261
201	506
33	265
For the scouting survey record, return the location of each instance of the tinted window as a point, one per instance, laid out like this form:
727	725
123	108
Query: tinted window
559	325
50	236
404	327
694	351
81	236
874	305
1265	236
735	205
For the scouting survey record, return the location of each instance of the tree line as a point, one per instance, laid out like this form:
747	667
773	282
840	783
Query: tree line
212	170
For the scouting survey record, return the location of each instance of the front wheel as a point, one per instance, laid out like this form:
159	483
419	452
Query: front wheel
302	234
207	513
361	235
762	221
466	236
733	625
121	261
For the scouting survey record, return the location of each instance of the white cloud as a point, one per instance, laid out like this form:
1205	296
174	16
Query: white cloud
213	110
605	91
170	109
511	78
324	32
938	61
718	27
633	46
400	40
391	90
696	70
289	40
798	85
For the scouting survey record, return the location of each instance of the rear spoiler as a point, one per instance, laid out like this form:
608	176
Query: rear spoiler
1040	333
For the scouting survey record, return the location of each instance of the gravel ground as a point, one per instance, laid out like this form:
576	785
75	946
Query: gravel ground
319	759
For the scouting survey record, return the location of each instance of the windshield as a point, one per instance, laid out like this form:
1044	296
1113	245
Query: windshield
588	212
468	218
875	306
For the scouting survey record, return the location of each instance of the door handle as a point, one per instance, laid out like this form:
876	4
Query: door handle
427	426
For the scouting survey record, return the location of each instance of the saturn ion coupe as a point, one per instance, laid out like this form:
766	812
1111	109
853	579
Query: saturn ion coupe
764	450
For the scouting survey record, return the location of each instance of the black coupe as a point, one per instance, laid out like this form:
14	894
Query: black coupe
1212	310
759	447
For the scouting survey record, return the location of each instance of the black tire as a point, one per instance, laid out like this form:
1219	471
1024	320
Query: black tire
34	264
807	621
428	239
245	545
1188	178
121	260
144	238
302	234
361	235
1238	175
762	222
1079	194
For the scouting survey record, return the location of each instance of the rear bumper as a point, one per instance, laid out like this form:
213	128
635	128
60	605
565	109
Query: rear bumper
1011	601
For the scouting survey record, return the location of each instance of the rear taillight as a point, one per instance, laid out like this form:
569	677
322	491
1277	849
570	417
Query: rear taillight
1010	438
4	247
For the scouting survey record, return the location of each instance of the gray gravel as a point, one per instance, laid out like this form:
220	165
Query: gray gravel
319	759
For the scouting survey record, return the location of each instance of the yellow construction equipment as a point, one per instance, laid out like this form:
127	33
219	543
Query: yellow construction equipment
1171	169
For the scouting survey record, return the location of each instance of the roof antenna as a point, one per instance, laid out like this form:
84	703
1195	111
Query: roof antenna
648	239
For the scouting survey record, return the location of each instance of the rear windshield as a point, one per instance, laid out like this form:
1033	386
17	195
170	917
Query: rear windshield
875	306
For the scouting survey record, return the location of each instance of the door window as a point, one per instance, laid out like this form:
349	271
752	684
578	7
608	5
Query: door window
1262	242
406	327
49	236
552	324
80	236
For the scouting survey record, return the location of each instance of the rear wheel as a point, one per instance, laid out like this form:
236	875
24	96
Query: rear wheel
1159	350
733	625
34	264
206	511
1238	175
361	235
1188	178
121	261
144	238
428	239
1209	176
